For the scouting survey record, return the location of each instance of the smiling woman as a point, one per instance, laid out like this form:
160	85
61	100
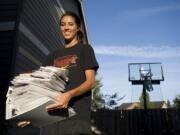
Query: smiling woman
80	61
70	28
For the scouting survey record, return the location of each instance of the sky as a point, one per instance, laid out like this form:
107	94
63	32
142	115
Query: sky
135	31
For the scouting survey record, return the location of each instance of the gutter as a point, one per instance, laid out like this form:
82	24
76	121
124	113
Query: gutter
84	20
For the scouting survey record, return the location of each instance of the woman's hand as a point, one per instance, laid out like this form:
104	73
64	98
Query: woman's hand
62	101
23	124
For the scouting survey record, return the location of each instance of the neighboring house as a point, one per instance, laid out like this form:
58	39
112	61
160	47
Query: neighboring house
136	105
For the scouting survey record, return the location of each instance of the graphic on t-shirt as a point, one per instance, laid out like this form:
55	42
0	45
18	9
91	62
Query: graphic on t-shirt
66	61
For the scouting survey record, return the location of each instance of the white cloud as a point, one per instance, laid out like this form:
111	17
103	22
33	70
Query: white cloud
150	11
139	51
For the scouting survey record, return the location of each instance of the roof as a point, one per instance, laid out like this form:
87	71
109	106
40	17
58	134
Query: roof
133	105
158	104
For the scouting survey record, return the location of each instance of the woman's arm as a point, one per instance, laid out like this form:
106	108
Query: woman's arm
63	99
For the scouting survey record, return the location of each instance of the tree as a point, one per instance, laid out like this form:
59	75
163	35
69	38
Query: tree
112	101
97	97
103	101
141	99
168	104
176	102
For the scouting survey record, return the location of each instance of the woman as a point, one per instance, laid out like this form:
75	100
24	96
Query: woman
80	60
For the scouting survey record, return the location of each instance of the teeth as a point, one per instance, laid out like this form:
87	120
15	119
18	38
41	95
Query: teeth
66	32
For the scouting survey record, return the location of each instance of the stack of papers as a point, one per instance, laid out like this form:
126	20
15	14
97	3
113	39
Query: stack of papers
30	93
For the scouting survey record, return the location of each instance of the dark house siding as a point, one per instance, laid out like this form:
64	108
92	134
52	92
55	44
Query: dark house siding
29	31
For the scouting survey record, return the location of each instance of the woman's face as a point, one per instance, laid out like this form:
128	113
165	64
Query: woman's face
69	28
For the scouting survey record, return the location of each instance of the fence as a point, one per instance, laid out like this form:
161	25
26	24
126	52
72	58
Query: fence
138	122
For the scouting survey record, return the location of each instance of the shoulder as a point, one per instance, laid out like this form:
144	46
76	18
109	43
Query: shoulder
59	50
53	54
88	47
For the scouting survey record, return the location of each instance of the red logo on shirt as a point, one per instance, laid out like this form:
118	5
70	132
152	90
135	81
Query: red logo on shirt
66	61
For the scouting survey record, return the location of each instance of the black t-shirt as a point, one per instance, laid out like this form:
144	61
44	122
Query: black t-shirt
76	59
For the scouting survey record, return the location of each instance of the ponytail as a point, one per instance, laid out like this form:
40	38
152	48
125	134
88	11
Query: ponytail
80	36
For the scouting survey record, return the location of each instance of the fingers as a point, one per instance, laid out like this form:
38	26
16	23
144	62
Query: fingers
62	102
55	106
23	124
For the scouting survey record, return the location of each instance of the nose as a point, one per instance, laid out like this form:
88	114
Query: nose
66	27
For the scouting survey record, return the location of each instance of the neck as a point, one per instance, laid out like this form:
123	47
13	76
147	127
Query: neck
71	43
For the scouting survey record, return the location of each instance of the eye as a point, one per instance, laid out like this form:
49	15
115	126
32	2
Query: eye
71	23
62	24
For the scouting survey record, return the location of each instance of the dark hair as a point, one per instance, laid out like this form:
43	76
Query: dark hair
80	34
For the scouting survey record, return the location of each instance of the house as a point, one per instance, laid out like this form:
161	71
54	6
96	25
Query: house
136	105
29	31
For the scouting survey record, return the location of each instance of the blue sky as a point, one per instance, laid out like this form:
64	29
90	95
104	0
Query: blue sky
130	31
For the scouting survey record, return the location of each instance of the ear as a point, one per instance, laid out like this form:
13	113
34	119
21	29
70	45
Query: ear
78	28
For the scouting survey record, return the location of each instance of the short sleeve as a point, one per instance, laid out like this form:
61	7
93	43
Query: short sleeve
89	59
